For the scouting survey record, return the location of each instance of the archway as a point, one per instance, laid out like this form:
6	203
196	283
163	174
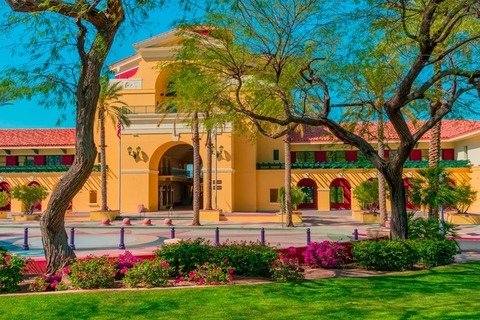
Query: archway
38	207
175	178
309	187
5	187
340	195
407	185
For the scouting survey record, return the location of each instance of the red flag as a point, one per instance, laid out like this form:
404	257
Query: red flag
119	129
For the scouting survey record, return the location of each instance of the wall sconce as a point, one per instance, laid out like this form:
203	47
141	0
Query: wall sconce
217	152
135	153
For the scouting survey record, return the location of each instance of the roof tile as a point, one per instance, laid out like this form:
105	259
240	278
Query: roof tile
27	138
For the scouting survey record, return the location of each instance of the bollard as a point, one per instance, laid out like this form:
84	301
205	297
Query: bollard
25	240
262	236
72	239
172	233
122	238
355	234
217	237
308	236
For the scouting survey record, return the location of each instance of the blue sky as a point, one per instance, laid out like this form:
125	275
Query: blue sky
27	114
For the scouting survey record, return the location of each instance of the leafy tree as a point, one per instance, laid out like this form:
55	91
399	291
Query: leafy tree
366	193
29	195
4	199
109	96
433	188
282	63
465	196
85	30
297	196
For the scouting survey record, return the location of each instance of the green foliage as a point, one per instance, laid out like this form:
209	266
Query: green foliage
147	274
286	268
435	253
4	199
247	258
385	255
366	193
29	195
92	273
431	190
297	196
11	268
465	196
185	256
430	228
210	273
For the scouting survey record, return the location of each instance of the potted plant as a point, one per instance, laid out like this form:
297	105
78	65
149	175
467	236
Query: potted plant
297	196
29	196
4	200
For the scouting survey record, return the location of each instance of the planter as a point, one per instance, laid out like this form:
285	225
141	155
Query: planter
3	215
378	232
100	215
26	217
211	215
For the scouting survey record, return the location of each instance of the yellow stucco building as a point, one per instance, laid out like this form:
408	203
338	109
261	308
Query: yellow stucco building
150	161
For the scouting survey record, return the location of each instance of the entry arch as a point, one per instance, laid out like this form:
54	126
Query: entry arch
5	187
340	194
309	187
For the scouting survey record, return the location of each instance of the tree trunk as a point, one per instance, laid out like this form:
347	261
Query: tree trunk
103	159
288	182
196	171
208	174
382	199
399	225
434	153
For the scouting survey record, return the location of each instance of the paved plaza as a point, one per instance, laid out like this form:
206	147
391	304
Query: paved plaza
92	238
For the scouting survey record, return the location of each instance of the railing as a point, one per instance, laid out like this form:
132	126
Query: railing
177	172
358	165
48	168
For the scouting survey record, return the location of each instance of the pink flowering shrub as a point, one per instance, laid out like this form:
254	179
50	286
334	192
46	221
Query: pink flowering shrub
147	274
286	268
92	273
124	263
212	274
50	283
11	268
327	254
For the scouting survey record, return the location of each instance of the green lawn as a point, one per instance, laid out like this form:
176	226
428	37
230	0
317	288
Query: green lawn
442	293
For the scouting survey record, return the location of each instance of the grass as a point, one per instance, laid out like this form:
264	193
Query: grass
441	293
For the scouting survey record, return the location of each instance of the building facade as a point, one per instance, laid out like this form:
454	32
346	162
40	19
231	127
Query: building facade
150	162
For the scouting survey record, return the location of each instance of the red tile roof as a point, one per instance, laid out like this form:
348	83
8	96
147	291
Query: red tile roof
451	130
30	138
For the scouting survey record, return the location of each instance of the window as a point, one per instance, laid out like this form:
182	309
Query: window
99	157
336	195
53	160
309	194
424	154
465	153
27	161
92	196
336	156
361	157
305	157
273	195
276	155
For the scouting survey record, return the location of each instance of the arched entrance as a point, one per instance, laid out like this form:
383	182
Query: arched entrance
5	187
175	178
340	195
38	207
309	187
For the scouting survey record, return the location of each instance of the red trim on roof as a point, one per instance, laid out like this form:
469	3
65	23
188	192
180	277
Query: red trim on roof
30	138
451	129
126	74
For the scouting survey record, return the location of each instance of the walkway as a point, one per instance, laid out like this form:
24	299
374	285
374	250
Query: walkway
91	238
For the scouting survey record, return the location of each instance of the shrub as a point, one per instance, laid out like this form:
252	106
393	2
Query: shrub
124	263
286	268
248	259
327	254
147	273
430	228
92	273
435	253
44	283
385	255
209	273
11	268
184	256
